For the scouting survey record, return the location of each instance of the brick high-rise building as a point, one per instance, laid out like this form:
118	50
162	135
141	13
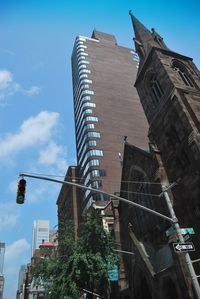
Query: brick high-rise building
106	108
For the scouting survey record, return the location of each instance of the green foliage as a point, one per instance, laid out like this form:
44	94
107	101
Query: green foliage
78	265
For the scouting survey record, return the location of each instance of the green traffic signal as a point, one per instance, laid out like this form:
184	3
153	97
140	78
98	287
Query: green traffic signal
21	191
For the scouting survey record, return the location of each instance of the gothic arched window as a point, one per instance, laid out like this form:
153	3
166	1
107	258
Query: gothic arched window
154	88
183	73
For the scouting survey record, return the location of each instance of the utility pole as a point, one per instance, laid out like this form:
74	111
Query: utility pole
165	188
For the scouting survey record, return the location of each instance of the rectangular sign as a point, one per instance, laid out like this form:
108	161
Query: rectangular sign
186	237
183	247
184	231
188	230
113	274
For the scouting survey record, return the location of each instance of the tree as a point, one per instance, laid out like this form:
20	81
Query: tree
79	265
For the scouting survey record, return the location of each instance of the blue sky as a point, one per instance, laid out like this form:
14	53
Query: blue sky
36	111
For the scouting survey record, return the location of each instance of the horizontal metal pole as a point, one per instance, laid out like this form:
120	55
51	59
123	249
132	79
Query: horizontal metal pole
113	196
124	251
196	261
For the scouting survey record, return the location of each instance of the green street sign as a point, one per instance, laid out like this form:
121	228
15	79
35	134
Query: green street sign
188	230
113	274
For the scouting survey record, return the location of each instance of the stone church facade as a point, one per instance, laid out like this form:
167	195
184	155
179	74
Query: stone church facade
168	84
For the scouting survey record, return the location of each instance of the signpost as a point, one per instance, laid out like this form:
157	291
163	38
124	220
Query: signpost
183	247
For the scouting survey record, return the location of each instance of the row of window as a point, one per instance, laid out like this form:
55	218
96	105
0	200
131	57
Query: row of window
83	138
83	99
77	88
80	119
84	118
90	134
84	142
85	128
84	105
80	128
84	147
91	163
79	91
92	153
78	95
80	46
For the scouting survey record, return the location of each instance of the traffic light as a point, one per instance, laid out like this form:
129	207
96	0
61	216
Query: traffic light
21	191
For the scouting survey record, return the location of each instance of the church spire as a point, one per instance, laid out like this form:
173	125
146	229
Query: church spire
144	39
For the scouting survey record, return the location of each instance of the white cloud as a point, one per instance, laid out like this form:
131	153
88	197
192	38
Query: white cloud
53	154
16	249
34	130
8	87
8	215
5	78
34	90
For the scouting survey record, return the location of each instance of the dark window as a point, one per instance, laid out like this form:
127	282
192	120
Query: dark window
154	88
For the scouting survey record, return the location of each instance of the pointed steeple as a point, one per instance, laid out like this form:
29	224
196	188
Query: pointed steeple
144	39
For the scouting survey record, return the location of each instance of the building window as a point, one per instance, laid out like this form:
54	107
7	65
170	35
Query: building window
91	118
96	184
183	73
81	39
84	71
81	58
86	81
82	54
98	172
83	76
92	143
87	92
83	66
93	134
80	50
83	62
155	90
81	47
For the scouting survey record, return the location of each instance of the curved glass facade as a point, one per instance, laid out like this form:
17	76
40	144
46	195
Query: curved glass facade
87	135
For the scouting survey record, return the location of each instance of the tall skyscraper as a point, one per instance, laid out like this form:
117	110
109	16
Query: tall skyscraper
106	108
40	233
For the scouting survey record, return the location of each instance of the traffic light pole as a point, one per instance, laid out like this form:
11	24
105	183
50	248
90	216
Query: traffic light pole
193	276
173	218
113	196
